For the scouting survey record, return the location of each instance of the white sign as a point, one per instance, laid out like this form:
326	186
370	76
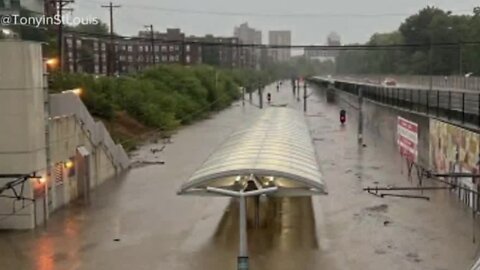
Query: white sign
407	138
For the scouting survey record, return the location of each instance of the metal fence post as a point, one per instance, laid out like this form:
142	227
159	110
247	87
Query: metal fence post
449	104
463	107
478	112
411	99
438	103
428	93
419	105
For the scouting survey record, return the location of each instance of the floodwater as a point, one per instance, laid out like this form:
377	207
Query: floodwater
138	222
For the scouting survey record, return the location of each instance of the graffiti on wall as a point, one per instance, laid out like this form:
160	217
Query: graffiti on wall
452	150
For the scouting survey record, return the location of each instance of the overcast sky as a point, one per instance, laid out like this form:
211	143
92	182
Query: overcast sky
354	20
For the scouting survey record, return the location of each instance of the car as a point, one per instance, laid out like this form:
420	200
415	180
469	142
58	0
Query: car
390	82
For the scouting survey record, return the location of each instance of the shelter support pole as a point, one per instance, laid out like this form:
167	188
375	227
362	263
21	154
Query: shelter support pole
243	255
257	211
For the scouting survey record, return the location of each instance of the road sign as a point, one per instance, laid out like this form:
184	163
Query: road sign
407	138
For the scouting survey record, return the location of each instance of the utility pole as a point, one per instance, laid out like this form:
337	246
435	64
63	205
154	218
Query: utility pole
305	96
360	116
152	41
111	49
260	95
59	6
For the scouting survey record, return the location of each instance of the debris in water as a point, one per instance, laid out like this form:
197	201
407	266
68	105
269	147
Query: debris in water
378	208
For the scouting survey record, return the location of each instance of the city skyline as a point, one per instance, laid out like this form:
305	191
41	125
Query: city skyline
302	18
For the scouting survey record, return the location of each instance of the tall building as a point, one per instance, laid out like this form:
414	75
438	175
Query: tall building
249	56
280	38
333	39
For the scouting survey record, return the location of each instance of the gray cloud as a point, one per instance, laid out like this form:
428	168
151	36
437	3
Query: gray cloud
305	30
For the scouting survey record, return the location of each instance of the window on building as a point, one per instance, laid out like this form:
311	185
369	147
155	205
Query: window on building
177	48
104	46
79	43
140	48
177	58
171	58
157	59
187	48
130	48
130	58
164	48
164	58
171	48
187	58
156	48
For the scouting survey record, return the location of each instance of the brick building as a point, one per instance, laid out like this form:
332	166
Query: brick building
90	54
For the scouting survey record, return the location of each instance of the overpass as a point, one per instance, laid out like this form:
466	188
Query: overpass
459	106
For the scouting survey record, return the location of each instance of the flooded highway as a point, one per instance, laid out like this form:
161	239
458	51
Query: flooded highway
138	222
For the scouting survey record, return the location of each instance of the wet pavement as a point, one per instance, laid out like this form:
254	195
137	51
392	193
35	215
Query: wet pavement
138	222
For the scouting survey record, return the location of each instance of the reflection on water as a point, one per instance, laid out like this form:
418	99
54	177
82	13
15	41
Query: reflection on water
285	237
44	254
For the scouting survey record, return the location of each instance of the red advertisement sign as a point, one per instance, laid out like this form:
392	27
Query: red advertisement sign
407	138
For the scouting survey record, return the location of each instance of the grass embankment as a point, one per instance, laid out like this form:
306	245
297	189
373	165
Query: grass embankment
158	99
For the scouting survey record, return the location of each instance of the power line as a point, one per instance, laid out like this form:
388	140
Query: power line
295	46
284	15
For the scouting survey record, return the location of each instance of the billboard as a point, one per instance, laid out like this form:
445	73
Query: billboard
407	138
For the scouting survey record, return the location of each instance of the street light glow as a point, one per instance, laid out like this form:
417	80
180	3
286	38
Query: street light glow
6	32
52	62
75	91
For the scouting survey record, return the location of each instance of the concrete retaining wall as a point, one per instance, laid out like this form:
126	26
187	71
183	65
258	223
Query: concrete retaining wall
66	135
380	122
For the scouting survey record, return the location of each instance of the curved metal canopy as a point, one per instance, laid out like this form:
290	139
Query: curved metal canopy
273	150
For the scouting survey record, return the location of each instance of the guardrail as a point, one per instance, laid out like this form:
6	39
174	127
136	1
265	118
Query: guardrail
421	81
458	105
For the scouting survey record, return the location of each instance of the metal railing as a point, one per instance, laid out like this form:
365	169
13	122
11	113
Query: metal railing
460	106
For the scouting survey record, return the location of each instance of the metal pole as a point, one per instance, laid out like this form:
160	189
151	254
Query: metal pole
463	107
305	97
411	99
260	96
460	59
360	116
449	104
430	66
428	93
438	103
243	96
243	255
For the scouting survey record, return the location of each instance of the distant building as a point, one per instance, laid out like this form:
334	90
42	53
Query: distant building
90	54
333	39
282	38
249	36
219	51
